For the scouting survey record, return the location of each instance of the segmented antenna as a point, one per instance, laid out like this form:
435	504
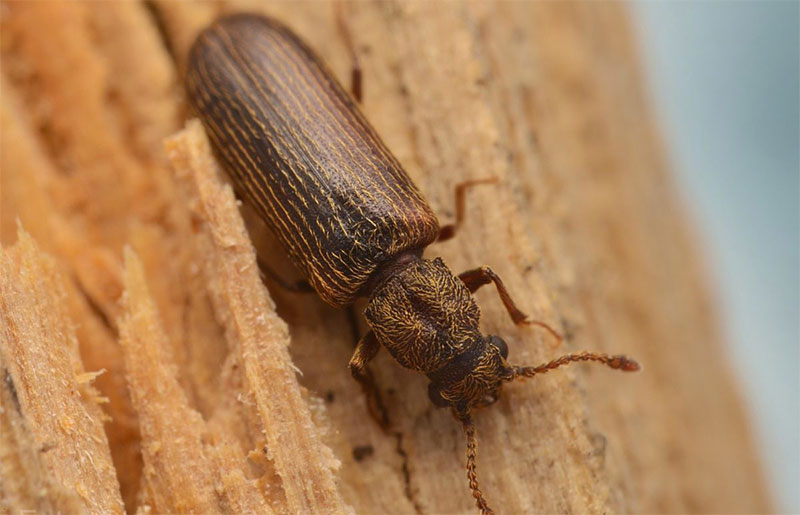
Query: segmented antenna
472	475
618	362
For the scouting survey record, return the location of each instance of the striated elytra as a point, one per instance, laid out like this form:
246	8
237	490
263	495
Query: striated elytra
298	150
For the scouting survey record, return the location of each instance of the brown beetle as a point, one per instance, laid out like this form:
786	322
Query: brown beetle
299	150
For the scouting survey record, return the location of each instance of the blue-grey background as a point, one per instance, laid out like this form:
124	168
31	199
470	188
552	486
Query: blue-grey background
723	77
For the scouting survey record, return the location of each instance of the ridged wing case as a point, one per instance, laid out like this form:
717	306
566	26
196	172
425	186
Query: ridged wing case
298	149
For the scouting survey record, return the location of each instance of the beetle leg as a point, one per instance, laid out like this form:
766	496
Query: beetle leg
301	286
355	70
366	349
356	89
478	277
449	230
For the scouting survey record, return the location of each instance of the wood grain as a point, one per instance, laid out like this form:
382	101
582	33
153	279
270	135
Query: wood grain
55	455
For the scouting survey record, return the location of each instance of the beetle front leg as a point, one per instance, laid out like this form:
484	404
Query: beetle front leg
366	349
478	277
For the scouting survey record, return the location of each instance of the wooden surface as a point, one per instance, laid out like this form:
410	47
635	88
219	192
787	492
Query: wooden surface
585	228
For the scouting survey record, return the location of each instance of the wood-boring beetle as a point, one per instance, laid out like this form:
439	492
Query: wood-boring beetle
298	149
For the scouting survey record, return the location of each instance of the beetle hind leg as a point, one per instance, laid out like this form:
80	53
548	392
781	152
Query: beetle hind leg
355	68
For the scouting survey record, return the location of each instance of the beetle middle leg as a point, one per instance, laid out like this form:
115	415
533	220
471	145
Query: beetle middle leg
301	286
478	277
366	349
449	230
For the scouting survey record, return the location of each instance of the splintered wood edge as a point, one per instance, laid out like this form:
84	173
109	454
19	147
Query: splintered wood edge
28	194
255	333
181	473
178	476
54	454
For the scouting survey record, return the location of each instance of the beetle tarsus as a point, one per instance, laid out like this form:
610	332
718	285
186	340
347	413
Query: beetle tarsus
546	327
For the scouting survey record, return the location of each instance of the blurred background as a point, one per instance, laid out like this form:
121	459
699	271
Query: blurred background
724	79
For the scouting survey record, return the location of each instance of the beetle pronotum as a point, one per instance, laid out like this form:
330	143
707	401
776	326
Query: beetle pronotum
299	150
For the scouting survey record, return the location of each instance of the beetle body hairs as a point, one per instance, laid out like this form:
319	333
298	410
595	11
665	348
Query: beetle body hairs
298	149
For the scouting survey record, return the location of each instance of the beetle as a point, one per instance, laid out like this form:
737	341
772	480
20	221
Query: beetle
299	150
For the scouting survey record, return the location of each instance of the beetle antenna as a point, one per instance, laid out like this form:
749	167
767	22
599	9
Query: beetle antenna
472	453
618	362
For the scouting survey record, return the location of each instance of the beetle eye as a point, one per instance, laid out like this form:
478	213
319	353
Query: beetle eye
500	344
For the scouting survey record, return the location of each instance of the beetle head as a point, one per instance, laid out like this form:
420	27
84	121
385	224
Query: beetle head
474	378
